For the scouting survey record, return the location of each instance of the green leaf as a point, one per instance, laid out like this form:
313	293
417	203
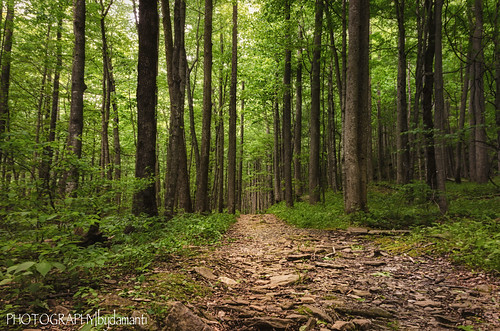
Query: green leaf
43	267
59	266
87	327
6	281
20	267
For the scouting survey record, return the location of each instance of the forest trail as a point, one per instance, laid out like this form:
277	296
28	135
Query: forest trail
269	275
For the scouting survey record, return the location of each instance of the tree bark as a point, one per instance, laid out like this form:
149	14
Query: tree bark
480	167
402	147
231	154
144	201
5	69
277	151
314	144
357	108
297	136
419	75
287	111
202	189
239	194
439	113
78	87
461	124
427	92
177	183
48	151
497	78
105	160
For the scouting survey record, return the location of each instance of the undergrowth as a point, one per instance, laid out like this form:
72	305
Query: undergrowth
469	233
40	255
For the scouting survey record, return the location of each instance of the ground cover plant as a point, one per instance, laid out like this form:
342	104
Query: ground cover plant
469	233
41	257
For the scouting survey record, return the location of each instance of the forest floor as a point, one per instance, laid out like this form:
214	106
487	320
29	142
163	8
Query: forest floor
269	275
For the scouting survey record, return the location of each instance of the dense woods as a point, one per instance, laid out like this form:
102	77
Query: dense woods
132	131
396	91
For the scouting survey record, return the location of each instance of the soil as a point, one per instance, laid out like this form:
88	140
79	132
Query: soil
269	275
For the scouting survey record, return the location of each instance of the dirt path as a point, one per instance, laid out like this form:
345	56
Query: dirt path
269	275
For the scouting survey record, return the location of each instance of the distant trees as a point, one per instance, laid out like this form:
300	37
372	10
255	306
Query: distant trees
430	91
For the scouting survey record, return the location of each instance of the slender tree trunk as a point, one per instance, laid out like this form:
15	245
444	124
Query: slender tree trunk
5	70
297	136
287	111
48	152
145	164
314	144
231	154
357	108
380	139
332	131
78	87
478	136
461	124
192	125
202	189
497	71
277	152
439	113
413	138
430	161
240	170
105	160
403	150
220	138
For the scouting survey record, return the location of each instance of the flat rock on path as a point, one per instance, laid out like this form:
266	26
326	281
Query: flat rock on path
271	276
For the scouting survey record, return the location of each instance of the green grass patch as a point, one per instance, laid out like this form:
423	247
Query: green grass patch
327	215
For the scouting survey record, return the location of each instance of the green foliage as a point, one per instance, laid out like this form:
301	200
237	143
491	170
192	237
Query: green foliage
323	216
42	256
469	233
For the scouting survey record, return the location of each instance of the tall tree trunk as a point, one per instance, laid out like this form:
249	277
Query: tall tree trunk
419	74
240	170
287	111
439	113
331	135
78	87
48	152
202	189
277	151
480	168
297	136
145	200
177	183
220	134
357	108
105	160
461	123
427	92
5	68
231	154
403	150
380	139
497	78
314	144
